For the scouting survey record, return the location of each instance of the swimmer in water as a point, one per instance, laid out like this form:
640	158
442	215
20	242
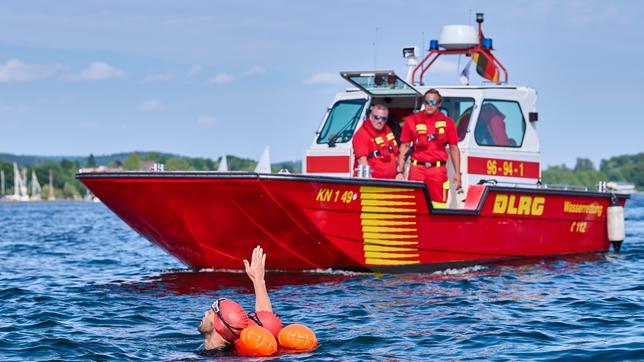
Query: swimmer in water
225	319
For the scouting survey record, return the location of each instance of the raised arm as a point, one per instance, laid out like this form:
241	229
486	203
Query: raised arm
255	270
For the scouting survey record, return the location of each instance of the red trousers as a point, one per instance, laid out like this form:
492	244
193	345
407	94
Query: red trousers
436	180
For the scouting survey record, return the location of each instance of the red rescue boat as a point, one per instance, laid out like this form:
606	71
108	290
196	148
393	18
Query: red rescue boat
326	219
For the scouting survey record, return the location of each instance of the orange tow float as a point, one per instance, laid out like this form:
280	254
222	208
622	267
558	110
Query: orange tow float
297	337
258	341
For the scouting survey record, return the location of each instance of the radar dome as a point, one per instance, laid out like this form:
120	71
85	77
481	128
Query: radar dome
458	37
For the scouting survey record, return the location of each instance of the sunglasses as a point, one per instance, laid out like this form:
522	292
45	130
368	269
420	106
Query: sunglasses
431	102
215	308
380	118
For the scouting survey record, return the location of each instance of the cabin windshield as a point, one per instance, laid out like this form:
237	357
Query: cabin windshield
342	121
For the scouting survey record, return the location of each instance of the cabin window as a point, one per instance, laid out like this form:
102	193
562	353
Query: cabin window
459	109
342	121
500	124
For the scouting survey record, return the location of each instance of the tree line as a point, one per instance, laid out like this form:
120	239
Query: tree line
64	181
64	171
625	168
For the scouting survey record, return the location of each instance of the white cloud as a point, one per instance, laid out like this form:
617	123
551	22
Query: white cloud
206	120
97	71
221	78
195	70
151	105
323	78
6	108
16	71
256	70
159	77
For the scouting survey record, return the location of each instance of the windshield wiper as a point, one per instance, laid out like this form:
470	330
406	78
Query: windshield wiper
333	139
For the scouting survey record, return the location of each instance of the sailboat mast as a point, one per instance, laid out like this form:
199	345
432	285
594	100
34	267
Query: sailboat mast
23	183
33	183
16	180
50	197
1	183
36	190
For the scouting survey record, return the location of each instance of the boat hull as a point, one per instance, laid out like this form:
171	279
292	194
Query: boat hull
213	220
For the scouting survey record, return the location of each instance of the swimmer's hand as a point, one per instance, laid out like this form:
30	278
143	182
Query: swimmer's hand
255	270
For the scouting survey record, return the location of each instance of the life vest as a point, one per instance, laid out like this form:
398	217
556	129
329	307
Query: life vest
426	133
386	144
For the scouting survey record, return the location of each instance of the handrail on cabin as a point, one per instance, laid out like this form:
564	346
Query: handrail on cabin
479	49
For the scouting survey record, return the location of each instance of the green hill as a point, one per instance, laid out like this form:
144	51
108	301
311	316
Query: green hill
626	168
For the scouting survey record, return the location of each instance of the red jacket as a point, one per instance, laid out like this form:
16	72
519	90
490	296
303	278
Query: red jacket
430	134
379	147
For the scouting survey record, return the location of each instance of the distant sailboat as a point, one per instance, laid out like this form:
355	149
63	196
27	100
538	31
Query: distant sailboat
1	184
23	182
223	165
51	197
19	185
264	164
36	190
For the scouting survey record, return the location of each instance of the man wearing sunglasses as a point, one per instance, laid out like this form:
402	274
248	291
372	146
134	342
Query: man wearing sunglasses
374	144
430	131
225	319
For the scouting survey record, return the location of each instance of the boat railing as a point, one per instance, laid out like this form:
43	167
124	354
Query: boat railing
537	185
495	182
564	187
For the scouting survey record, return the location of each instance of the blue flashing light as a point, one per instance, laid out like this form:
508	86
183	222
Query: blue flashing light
487	43
433	45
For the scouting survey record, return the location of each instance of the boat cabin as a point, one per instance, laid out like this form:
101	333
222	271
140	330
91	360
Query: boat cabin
496	122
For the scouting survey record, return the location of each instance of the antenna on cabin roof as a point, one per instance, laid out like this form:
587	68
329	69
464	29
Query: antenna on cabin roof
375	51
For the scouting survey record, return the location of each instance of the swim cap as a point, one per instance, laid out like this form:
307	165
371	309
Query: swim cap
268	320
230	319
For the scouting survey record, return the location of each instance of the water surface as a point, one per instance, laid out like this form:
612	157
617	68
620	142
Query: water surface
76	283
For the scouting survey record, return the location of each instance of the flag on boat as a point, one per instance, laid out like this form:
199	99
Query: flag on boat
485	68
465	74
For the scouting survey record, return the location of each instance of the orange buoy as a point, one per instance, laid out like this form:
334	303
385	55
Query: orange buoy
256	341
297	337
268	320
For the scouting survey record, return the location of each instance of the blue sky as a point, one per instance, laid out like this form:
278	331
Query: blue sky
204	78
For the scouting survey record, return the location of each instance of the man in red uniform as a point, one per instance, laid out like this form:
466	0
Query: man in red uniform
374	144
430	131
